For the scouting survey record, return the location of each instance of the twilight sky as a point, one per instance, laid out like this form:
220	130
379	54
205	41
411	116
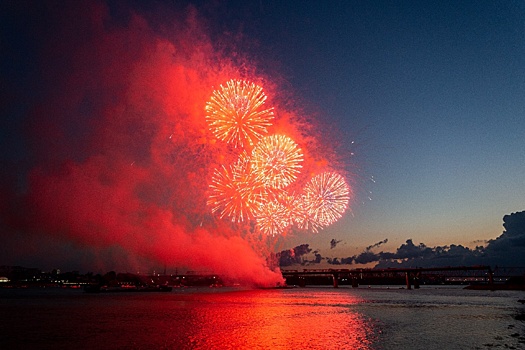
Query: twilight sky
424	103
432	93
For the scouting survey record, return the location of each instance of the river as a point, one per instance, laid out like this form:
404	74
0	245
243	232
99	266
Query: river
432	317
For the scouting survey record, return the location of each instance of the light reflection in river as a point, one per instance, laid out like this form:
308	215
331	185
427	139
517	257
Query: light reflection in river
432	318
187	319
271	320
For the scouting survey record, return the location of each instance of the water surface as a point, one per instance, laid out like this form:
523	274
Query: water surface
222	318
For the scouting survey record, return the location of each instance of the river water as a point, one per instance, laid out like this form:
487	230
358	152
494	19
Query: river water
301	318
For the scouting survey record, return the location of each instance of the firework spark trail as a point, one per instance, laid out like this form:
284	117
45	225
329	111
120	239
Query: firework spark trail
235	114
304	217
278	213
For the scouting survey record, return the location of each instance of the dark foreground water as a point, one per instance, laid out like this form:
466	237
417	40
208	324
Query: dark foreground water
222	318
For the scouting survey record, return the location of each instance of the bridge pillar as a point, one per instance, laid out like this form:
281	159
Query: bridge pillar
335	276
302	282
416	281
355	283
491	278
407	277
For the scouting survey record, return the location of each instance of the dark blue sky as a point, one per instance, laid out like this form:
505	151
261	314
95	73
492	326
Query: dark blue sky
432	93
425	100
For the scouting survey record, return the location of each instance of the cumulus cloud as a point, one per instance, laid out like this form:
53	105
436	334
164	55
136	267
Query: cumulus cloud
509	248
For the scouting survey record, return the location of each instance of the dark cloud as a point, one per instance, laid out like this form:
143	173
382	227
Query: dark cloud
411	251
364	258
506	250
333	261
333	243
482	241
347	261
410	255
295	256
377	244
509	248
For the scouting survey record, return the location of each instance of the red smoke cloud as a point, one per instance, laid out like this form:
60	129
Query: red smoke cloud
122	151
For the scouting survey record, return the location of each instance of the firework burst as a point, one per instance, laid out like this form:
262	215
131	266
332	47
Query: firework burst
304	217
276	160
326	198
235	113
256	188
234	193
273	218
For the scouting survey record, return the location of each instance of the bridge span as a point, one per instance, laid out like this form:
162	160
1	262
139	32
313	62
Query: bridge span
411	276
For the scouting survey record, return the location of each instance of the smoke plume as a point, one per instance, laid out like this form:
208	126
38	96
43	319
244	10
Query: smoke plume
117	151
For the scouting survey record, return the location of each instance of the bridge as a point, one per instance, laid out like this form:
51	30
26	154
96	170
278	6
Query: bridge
411	276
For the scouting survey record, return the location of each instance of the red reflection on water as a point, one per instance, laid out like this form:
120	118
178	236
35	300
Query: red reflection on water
261	319
283	320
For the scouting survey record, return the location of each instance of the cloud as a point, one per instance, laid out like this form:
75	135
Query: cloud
363	258
294	256
333	261
333	243
482	241
505	250
508	248
377	244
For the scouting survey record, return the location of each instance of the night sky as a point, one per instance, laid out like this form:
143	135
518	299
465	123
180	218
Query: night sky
423	104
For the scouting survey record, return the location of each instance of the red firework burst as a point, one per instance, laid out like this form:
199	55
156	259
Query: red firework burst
255	188
234	194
